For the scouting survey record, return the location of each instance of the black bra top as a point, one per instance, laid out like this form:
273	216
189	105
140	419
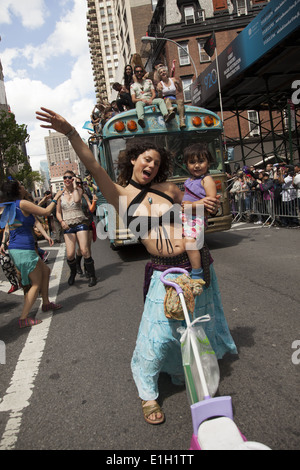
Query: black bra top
145	223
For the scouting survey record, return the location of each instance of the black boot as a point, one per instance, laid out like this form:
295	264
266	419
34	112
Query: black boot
90	269
72	266
78	265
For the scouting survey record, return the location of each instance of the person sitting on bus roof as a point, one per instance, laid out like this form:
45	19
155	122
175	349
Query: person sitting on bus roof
124	100
143	94
167	89
128	77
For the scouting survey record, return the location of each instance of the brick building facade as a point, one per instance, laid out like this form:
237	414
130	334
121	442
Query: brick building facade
190	23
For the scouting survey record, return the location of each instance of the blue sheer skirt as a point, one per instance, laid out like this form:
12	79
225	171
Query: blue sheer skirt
25	261
158	342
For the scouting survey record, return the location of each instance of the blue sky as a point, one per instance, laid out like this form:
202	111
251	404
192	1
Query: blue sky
46	62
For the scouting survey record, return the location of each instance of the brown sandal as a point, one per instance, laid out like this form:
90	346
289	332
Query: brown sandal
149	410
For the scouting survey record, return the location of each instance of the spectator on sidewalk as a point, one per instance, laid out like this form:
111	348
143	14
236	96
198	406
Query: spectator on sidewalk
288	196
296	184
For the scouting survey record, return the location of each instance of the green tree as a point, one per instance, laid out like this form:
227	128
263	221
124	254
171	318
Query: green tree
28	177
12	137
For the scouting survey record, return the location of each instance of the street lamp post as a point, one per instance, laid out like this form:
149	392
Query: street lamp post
146	39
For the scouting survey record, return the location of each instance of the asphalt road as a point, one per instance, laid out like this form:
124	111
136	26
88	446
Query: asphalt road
69	385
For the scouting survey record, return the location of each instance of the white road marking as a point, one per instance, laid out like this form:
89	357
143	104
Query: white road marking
17	396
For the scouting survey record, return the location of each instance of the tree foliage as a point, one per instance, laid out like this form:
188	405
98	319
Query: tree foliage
12	137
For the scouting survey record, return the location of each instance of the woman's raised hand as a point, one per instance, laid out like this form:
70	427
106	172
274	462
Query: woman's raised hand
58	194
53	120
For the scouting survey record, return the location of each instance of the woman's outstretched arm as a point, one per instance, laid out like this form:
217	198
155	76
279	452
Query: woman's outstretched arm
109	189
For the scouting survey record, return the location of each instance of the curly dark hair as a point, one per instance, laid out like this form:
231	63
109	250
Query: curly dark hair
136	147
10	191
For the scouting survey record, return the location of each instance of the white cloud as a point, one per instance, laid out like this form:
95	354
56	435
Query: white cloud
73	98
31	12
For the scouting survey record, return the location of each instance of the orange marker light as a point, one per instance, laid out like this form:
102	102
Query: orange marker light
131	125
196	121
119	126
218	185
209	121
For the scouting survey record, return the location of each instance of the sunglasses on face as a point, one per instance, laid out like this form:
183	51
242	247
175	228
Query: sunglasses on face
68	177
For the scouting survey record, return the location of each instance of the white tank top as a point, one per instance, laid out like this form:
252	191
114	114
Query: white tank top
169	90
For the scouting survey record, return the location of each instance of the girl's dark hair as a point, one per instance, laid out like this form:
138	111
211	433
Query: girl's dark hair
136	147
10	191
128	78
199	151
70	172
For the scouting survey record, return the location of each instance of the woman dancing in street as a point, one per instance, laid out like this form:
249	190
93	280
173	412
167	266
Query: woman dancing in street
19	213
75	225
146	168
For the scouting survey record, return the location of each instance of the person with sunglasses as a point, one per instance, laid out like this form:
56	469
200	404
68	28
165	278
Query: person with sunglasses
143	94
75	225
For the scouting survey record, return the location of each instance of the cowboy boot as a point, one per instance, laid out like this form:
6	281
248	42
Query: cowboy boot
90	269
72	266
78	265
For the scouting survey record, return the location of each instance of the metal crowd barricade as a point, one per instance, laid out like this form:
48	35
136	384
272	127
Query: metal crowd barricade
254	203
269	208
287	207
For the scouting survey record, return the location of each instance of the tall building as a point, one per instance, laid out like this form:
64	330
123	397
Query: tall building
61	157
3	100
114	30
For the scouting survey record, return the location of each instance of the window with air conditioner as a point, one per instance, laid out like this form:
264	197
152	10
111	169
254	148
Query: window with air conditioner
189	15
183	54
204	57
241	7
253	119
186	86
201	15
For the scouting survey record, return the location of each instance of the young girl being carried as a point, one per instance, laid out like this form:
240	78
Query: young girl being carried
197	158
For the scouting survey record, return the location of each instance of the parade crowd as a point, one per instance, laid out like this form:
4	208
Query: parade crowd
270	195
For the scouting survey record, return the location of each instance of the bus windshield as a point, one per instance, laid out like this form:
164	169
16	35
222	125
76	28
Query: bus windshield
202	126
176	144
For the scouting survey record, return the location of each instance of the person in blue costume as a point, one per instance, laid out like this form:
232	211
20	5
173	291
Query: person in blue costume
150	205
19	215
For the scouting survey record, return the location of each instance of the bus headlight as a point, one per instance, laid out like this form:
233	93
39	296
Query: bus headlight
119	126
131	125
208	121
197	121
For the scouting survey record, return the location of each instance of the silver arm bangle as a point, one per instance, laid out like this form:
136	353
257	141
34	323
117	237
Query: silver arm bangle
71	133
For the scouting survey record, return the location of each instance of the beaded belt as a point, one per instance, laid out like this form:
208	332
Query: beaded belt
170	260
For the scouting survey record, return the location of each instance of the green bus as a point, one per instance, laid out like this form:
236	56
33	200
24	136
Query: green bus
201	126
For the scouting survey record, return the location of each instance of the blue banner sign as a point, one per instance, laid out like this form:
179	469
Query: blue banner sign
273	24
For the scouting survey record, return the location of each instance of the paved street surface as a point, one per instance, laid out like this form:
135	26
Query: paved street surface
67	383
